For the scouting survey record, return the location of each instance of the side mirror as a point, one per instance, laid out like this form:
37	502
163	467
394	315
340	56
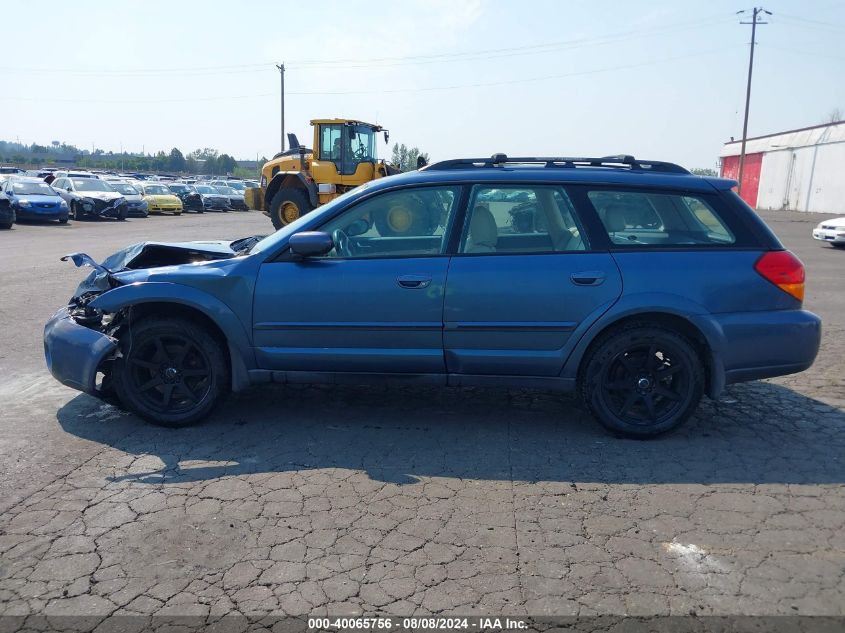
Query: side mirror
358	227
386	137
310	243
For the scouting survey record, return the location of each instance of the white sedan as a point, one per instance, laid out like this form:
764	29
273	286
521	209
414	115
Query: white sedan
831	231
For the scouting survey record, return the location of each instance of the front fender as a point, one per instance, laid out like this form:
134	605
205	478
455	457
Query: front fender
286	179
666	303
237	337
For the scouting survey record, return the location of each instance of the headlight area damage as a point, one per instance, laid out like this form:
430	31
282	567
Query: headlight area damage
80	341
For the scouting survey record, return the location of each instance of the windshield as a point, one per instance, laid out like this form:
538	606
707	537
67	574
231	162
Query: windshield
227	191
33	188
156	190
237	185
125	188
362	139
179	188
204	189
90	184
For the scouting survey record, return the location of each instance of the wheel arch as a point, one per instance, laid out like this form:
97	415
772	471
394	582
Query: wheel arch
292	180
168	299
704	334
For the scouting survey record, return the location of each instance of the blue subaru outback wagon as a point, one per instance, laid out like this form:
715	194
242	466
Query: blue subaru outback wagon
634	283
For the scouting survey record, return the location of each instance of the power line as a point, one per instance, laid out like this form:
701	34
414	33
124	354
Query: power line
807	21
794	51
380	62
391	90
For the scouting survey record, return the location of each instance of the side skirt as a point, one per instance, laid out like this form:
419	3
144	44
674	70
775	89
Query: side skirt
258	376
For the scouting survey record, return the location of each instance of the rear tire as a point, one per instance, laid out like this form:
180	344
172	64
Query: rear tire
171	372
6	226
641	380
62	220
288	205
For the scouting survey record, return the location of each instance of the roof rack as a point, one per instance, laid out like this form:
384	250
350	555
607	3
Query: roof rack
623	161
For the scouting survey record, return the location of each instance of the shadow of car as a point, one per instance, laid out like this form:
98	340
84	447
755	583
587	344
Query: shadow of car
762	436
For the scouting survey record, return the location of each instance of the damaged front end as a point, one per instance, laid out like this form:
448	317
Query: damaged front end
82	342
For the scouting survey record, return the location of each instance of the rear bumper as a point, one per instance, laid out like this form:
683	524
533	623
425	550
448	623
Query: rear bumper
766	344
74	352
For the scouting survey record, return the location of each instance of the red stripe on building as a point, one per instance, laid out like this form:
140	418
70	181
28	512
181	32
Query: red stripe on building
750	174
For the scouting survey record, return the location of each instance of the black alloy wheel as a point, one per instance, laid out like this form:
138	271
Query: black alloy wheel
171	372
641	380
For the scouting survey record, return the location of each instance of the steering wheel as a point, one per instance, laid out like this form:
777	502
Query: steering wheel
361	153
341	243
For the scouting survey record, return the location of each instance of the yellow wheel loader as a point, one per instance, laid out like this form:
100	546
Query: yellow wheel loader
342	157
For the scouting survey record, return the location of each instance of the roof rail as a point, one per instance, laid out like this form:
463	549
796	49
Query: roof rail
624	161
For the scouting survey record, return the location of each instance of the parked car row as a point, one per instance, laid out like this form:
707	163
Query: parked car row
61	195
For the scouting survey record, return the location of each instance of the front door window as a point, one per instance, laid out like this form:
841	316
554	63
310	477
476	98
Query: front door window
404	223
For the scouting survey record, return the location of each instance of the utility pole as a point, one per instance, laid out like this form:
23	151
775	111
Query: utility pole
281	68
754	22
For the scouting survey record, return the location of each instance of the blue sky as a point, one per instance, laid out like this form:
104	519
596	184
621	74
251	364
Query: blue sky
661	79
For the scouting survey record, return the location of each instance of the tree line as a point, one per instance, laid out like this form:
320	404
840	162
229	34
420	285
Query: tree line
200	161
206	160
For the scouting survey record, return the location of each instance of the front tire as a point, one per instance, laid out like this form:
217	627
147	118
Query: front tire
288	205
640	380
78	213
171	372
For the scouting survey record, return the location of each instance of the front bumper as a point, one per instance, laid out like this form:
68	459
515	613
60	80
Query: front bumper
136	211
216	205
74	352
831	236
192	204
37	213
103	208
169	208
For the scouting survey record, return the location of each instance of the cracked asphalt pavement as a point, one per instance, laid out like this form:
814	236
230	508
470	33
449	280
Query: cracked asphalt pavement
348	500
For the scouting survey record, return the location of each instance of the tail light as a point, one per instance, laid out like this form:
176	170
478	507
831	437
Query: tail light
784	270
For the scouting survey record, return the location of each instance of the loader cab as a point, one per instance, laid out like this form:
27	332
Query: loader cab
347	145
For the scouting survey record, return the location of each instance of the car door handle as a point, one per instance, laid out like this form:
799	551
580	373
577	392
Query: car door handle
588	278
414	281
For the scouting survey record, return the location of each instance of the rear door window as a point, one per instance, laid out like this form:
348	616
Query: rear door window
520	219
640	219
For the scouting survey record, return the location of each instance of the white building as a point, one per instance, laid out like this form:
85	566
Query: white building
797	170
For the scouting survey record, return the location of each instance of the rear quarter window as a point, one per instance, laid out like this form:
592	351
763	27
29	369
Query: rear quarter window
634	219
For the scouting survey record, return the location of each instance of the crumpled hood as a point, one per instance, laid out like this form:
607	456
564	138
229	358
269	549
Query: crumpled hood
145	255
100	195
